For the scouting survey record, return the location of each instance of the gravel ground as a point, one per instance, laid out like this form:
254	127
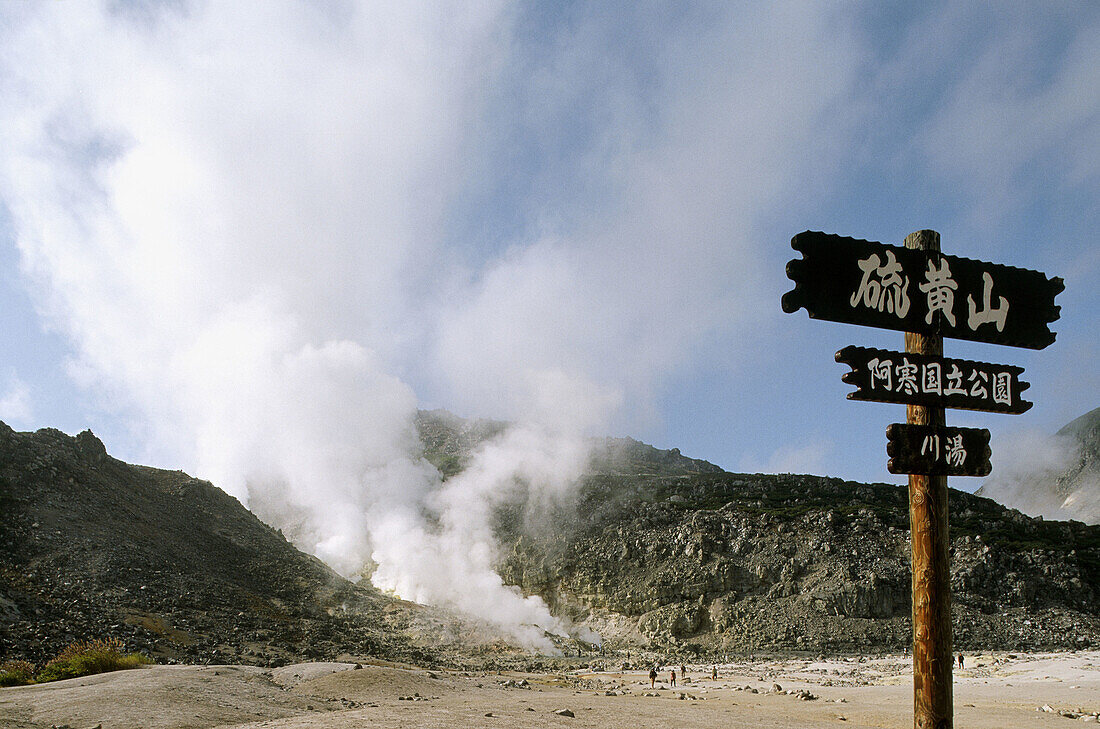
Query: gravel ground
993	690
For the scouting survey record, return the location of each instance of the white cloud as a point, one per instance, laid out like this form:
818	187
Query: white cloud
1020	112
804	458
241	214
1027	466
15	402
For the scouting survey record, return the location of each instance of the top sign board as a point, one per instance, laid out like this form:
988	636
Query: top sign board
873	284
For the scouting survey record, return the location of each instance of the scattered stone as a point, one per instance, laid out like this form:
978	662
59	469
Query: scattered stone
564	712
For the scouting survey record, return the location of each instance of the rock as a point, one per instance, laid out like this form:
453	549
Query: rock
564	712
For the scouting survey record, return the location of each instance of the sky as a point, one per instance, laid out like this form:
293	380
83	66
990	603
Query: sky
249	239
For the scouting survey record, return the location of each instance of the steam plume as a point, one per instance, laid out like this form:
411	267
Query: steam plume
244	218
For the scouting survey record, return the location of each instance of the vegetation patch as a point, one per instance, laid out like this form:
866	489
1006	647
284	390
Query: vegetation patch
82	658
16	673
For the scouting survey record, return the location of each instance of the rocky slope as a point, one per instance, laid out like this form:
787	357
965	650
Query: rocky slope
657	551
673	553
1063	485
745	563
92	547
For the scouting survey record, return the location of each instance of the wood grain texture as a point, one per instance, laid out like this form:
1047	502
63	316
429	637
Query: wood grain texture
933	657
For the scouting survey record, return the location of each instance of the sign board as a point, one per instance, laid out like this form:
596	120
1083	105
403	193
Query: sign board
938	451
919	379
873	284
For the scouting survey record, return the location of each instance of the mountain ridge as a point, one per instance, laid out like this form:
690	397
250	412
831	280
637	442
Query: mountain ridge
666	551
1063	482
655	551
91	547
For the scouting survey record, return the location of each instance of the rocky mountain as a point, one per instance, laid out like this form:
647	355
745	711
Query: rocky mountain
92	547
655	551
675	554
1061	480
745	563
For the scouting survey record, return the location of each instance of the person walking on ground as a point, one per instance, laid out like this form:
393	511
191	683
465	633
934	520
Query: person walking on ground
683	672
714	673
960	660
672	676
653	677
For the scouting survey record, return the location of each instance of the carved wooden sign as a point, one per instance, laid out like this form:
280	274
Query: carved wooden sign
918	290
919	379
938	451
873	284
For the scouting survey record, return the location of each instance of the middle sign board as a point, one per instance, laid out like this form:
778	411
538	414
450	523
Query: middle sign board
919	379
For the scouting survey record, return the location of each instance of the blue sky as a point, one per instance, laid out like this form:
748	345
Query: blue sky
574	214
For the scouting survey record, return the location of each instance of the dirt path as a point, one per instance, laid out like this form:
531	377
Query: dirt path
992	691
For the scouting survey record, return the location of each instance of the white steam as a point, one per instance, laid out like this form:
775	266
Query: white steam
15	400
462	550
1041	475
253	222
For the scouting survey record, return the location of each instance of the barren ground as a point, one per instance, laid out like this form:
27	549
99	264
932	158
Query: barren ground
993	690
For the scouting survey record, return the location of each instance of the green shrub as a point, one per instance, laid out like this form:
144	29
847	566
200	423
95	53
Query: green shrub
16	673
84	658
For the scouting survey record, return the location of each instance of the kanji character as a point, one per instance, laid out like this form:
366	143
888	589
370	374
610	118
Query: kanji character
988	315
886	293
1002	388
931	380
940	288
979	382
881	371
954	382
907	376
956	454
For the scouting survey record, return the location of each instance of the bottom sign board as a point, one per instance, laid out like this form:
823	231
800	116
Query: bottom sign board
938	451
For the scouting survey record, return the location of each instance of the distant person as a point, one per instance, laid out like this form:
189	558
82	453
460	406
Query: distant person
683	672
714	673
652	677
672	677
960	660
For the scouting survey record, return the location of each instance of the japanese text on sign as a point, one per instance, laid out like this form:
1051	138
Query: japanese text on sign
884	287
976	383
919	379
872	284
938	450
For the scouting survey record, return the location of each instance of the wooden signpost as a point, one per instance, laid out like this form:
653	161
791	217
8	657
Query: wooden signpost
927	295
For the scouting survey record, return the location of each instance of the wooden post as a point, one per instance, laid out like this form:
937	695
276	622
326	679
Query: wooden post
933	657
